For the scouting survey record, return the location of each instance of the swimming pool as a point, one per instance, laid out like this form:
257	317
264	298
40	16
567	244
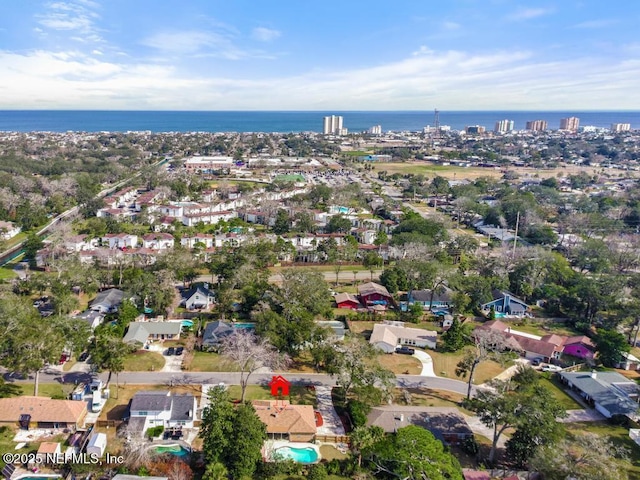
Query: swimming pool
298	454
174	449
245	326
187	323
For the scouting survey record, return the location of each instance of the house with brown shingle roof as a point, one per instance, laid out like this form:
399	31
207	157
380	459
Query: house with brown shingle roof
284	421
42	412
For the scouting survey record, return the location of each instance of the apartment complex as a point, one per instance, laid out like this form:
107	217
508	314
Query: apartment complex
537	125
571	124
376	130
620	127
503	126
474	129
332	125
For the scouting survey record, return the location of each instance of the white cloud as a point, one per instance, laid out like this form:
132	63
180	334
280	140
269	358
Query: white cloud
264	34
529	13
450	79
76	16
594	24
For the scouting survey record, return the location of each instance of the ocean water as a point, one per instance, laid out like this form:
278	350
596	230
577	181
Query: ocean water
281	121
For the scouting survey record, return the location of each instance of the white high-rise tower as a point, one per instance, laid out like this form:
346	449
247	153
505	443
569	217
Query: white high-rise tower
332	125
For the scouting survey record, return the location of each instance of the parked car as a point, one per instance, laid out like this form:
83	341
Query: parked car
83	356
65	357
171	351
536	361
405	350
179	350
551	368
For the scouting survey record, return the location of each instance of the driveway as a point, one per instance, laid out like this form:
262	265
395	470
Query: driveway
582	415
331	423
427	363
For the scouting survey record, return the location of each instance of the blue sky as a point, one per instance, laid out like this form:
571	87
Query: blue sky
319	55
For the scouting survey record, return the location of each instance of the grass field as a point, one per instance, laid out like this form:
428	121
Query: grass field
426	397
298	395
209	362
7	273
453	172
52	390
444	365
401	363
564	399
143	361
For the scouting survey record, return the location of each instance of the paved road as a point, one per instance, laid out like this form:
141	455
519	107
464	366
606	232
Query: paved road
191	378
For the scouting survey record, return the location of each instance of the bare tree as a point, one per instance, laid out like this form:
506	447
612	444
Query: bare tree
487	345
250	353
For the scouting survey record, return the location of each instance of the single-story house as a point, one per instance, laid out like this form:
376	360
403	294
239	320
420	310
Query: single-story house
92	317
528	345
439	299
446	424
346	300
295	423
107	301
608	392
198	297
214	333
42	412
374	294
630	362
388	336
161	408
8	230
506	303
143	332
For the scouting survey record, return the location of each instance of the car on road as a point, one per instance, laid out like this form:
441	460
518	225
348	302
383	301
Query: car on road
171	351
551	368
405	350
536	361
179	350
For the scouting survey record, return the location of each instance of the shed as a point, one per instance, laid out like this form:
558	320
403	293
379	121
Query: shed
97	444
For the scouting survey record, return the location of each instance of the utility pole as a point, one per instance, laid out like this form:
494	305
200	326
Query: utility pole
515	238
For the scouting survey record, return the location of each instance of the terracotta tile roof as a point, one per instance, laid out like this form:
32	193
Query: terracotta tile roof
281	417
42	409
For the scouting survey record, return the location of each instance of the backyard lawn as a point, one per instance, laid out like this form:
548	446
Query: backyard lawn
143	361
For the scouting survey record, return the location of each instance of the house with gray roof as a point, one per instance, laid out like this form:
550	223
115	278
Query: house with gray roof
214	333
145	332
608	392
107	301
505	303
198	297
446	424
154	408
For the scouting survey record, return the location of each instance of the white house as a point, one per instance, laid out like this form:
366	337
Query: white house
203	238
120	240
198	297
79	243
388	336
154	408
158	241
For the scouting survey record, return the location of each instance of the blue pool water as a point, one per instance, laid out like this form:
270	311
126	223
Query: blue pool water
300	455
177	450
245	326
187	323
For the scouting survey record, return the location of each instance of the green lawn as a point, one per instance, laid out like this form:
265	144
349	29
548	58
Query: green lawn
616	434
298	395
143	361
426	397
564	399
209	362
7	273
444	365
52	390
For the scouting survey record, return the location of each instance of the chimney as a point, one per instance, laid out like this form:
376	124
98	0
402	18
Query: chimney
593	374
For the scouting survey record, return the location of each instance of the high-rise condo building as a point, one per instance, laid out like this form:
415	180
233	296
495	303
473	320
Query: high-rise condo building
376	130
503	126
620	127
537	125
571	124
332	125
